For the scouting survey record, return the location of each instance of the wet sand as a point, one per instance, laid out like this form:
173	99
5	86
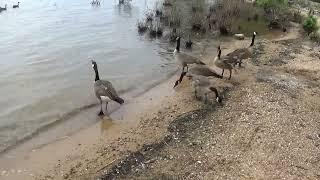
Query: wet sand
25	162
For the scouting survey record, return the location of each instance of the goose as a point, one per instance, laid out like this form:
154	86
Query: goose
238	55
205	84
184	59
196	69
223	63
16	6
104	89
3	9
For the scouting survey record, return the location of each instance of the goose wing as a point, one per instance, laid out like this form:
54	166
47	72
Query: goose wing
204	70
105	88
242	53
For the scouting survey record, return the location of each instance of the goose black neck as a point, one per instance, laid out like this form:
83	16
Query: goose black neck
97	74
219	53
252	41
178	45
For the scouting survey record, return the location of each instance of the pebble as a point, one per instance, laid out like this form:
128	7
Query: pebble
239	36
306	47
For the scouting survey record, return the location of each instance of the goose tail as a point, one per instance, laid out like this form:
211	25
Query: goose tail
119	100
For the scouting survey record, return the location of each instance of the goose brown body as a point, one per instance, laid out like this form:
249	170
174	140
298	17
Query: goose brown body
236	56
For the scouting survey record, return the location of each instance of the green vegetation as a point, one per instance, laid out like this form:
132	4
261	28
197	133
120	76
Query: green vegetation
310	24
271	4
315	36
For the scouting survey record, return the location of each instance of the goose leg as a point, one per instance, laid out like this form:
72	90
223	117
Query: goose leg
107	107
101	112
222	72
195	93
230	73
206	98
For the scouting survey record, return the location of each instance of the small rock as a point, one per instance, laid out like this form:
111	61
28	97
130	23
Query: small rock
306	47
170	157
239	36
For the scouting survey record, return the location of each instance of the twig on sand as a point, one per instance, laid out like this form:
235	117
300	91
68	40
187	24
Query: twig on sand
107	165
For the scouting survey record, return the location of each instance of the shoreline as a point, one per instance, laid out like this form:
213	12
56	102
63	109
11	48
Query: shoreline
121	119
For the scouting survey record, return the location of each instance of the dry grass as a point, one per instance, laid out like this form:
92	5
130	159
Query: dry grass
224	13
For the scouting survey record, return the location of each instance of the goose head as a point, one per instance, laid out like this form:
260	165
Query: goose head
94	65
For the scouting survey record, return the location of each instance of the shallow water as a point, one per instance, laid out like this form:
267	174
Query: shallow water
45	48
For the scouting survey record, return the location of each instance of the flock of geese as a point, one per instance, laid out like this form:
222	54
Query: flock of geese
5	7
202	75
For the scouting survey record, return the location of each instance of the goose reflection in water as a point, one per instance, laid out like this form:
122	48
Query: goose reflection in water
106	123
125	9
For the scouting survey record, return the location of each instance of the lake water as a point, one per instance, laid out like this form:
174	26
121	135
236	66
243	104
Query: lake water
45	48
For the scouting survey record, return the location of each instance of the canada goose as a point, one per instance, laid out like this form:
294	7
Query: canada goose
205	84
184	59
104	90
3	9
196	69
222	63
16	6
238	55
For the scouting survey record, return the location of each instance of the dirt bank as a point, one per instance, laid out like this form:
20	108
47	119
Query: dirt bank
268	127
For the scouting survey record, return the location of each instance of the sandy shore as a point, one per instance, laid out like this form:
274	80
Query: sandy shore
267	127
